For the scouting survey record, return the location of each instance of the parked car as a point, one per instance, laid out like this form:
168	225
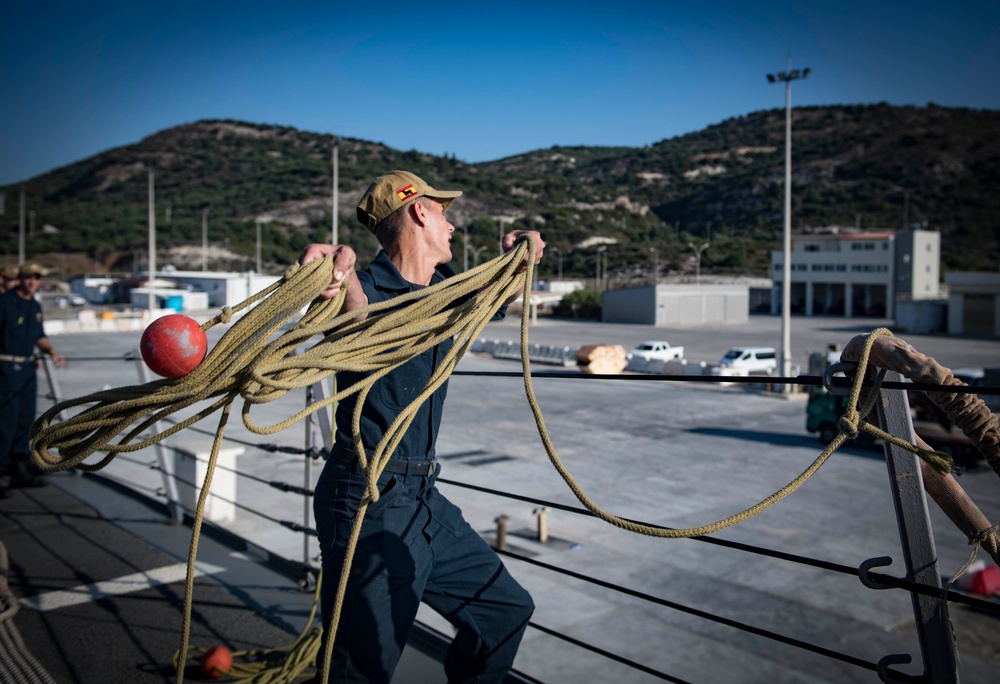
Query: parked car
748	361
973	377
656	350
71	299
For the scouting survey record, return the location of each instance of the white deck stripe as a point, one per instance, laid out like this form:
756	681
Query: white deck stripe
122	585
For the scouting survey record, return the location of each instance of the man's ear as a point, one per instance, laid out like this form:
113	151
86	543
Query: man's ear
418	211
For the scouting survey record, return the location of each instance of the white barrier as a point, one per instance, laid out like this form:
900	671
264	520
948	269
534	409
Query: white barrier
537	353
188	467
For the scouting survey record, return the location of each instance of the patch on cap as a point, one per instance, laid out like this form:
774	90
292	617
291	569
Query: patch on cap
406	193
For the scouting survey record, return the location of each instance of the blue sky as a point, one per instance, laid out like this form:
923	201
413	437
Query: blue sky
477	80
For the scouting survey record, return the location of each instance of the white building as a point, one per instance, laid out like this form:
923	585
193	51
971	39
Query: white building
858	273
223	288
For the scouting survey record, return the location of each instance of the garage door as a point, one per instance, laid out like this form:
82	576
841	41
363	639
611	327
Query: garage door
978	315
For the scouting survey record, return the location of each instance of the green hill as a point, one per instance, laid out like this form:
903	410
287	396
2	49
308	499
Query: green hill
876	166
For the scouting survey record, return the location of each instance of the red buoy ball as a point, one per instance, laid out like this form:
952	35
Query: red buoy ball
173	345
217	662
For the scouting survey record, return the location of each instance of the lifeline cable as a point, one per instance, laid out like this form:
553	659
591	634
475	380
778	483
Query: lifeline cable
247	363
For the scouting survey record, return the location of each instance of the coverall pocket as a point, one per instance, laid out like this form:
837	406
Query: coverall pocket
386	496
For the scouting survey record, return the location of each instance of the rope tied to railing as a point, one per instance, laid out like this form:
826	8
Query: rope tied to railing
966	411
853	421
854	418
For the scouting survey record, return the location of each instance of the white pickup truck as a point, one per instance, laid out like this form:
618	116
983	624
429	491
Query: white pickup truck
656	350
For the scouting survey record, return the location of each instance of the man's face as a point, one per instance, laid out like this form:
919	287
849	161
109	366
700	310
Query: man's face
7	284
28	285
439	229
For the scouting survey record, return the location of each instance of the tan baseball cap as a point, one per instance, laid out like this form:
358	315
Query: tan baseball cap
392	190
10	271
30	268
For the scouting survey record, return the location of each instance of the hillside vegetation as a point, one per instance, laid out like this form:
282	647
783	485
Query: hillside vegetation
875	166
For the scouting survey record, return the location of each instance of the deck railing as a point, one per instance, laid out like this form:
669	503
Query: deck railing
922	581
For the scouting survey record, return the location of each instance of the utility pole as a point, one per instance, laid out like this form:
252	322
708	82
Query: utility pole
204	240
258	246
150	289
558	252
20	232
336	183
787	77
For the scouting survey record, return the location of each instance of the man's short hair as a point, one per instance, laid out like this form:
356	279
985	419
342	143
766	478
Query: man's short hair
388	230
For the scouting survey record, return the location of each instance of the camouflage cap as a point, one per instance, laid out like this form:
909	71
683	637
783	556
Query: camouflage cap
10	271
30	268
391	191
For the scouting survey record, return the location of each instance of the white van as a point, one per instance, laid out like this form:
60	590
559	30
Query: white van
748	361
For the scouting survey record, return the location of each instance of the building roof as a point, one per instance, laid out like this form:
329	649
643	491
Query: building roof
867	235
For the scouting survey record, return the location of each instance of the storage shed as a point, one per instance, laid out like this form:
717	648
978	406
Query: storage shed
669	304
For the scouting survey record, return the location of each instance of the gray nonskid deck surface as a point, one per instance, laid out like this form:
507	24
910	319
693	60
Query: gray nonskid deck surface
676	454
79	532
58	542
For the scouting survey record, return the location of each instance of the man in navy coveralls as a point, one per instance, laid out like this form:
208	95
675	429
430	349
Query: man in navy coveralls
415	545
21	330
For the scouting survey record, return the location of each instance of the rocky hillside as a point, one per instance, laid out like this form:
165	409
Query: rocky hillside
874	166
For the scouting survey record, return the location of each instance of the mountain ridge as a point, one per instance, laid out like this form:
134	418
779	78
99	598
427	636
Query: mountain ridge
867	166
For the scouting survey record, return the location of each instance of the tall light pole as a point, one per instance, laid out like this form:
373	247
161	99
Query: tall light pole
697	263
787	77
476	251
336	182
559	252
656	264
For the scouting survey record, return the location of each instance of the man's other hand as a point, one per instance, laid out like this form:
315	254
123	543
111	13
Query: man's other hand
508	243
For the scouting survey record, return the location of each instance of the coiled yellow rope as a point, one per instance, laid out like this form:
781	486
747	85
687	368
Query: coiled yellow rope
248	363
271	665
